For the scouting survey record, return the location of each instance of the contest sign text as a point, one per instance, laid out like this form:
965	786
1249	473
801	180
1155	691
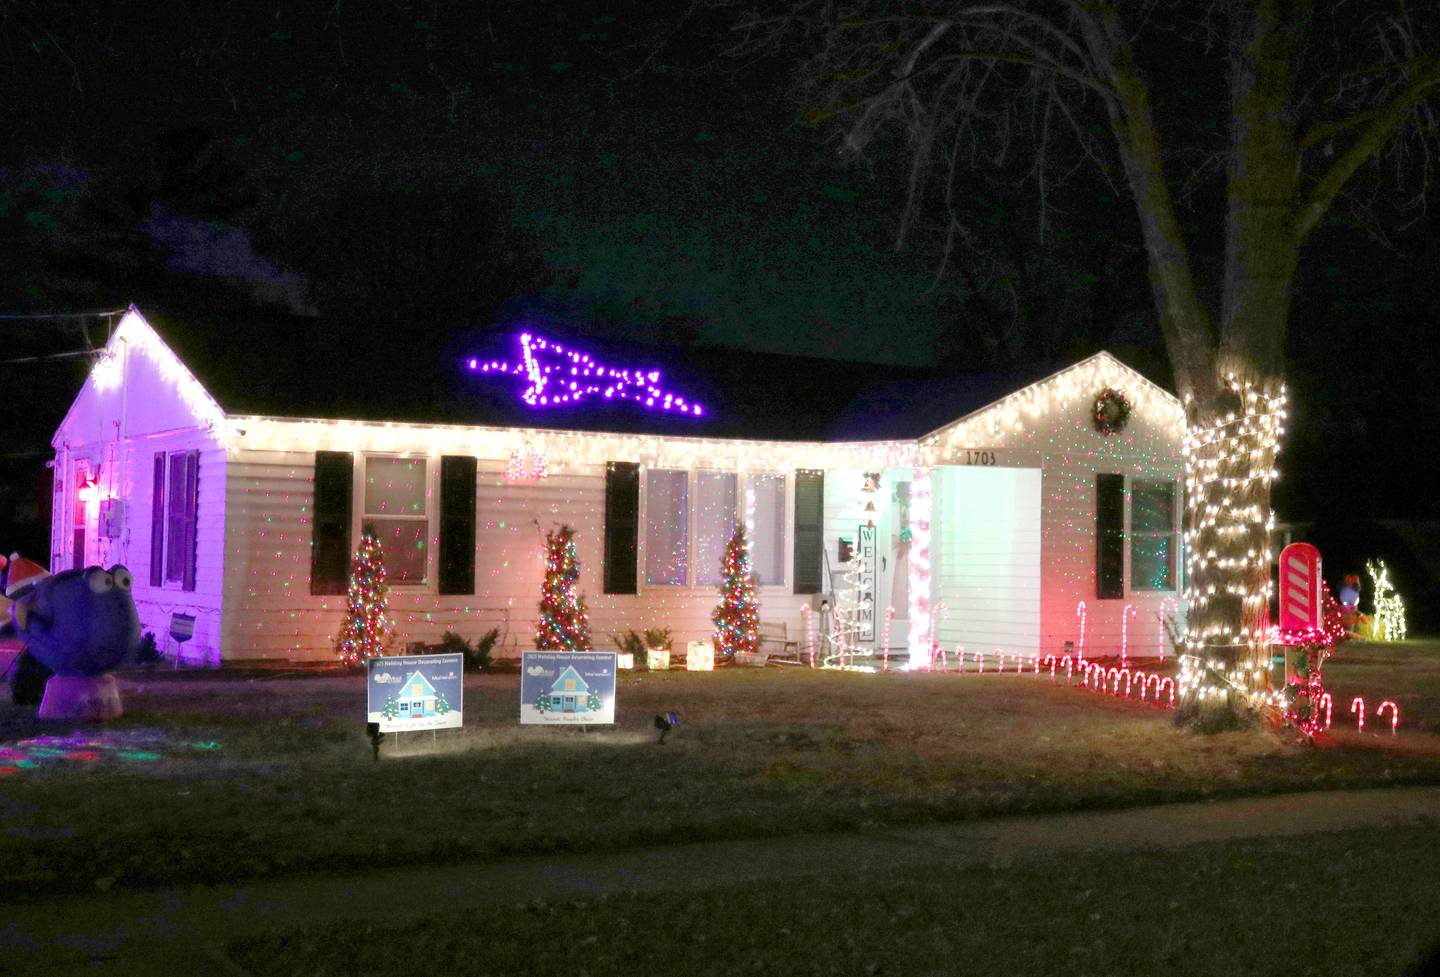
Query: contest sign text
567	687
415	692
1300	588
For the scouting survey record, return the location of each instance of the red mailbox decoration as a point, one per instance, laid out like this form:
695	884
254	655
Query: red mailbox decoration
1300	608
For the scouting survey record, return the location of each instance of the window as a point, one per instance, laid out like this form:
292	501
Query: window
396	491
715	504
680	535
174	504
765	527
1152	536
667	516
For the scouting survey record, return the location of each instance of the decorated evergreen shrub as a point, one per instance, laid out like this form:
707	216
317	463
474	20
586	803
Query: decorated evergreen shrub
737	618
367	630
564	625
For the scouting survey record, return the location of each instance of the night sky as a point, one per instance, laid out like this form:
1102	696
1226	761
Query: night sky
422	166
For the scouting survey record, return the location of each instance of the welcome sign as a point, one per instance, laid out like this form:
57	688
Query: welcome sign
567	687
415	692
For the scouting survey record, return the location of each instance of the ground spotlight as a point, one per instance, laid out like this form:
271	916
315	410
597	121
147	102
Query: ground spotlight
372	730
665	722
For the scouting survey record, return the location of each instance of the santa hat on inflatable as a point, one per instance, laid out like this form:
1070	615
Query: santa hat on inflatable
24	574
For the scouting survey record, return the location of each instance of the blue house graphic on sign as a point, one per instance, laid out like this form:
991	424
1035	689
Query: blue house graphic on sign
416	698
569	692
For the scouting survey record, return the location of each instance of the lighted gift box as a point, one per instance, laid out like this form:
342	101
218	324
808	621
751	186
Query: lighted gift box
657	658
700	657
624	659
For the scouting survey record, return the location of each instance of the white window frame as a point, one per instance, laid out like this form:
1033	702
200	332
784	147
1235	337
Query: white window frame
357	496
1177	554
692	526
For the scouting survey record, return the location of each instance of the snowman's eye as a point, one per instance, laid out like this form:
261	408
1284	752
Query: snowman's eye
99	581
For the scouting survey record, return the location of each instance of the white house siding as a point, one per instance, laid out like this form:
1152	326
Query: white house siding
986	582
114	428
272	614
1054	430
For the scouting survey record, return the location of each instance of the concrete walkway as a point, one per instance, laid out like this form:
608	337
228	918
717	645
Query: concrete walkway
179	931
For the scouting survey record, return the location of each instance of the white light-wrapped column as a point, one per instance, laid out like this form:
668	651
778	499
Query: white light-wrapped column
920	506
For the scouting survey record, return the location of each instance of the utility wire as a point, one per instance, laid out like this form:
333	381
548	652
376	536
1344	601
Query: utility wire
60	315
51	356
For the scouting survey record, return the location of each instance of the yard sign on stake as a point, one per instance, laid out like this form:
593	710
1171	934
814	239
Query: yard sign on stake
415	692
574	688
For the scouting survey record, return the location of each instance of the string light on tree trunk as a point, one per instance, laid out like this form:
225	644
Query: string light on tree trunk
1230	465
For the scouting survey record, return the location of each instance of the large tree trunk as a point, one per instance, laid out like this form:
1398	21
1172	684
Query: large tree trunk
1236	419
1229	373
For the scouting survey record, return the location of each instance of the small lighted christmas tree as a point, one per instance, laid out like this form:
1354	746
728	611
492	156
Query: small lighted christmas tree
367	631
851	608
737	618
564	624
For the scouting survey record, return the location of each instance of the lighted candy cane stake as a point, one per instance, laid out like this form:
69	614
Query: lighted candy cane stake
1163	683
1052	662
1329	704
1080	650
1357	708
1174	606
885	635
1125	617
1394	714
942	611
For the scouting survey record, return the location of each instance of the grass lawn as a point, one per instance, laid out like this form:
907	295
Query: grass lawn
229	776
1351	903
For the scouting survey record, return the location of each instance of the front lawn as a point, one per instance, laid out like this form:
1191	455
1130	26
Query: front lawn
1356	903
213	777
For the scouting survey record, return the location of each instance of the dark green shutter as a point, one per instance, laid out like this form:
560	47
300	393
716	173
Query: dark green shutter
1109	536
622	526
457	524
330	519
192	519
809	529
157	522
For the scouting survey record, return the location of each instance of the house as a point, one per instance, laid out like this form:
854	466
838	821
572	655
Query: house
416	697
569	692
232	464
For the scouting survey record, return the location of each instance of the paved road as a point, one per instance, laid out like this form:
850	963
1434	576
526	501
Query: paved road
178	931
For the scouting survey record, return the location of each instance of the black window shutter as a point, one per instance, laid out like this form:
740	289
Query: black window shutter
457	524
330	519
622	526
157	522
192	506
1109	536
809	525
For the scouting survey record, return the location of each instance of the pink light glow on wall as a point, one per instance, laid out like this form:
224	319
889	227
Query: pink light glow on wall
558	376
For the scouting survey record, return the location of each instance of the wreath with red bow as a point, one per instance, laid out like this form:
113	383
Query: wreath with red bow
1112	411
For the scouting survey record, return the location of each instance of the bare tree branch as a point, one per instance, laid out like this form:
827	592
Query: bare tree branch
1375	134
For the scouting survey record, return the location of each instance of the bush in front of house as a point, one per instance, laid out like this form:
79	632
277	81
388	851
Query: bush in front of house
630	643
477	656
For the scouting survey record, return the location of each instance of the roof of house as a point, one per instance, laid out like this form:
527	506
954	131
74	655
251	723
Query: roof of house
569	672
292	366
429	689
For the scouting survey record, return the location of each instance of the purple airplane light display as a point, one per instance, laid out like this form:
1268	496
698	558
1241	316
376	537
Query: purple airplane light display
560	376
